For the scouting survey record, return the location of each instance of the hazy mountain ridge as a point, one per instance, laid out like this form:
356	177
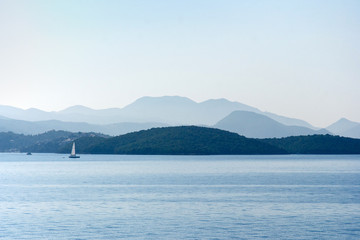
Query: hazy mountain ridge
346	128
254	125
148	112
353	132
171	110
37	127
289	121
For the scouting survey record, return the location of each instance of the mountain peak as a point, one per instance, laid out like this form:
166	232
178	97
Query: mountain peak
255	125
218	100
172	99
341	126
343	120
76	109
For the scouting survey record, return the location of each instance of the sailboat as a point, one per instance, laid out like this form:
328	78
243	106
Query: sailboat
73	154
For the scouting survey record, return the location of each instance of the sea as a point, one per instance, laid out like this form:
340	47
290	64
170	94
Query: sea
49	196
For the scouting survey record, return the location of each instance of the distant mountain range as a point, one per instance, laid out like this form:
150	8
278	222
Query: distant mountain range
254	125
345	127
149	112
28	127
171	110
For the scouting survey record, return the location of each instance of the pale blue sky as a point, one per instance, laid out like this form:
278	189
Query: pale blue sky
295	58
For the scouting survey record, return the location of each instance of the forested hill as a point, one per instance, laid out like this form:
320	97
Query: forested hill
185	140
201	140
316	144
49	142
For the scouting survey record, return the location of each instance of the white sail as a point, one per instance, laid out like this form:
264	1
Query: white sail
73	150
73	155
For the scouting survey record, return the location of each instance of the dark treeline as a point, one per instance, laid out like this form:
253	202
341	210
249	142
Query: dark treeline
189	140
185	140
317	144
49	142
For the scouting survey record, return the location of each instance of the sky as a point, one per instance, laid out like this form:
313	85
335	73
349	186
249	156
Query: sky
298	58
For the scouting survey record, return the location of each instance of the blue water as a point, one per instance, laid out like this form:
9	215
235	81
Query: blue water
48	196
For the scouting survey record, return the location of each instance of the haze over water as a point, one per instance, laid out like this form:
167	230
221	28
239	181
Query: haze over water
48	196
294	58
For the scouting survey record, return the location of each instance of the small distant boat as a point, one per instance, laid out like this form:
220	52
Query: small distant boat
73	154
29	153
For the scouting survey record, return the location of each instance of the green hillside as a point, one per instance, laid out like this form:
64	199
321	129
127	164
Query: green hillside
49	142
317	144
180	141
185	140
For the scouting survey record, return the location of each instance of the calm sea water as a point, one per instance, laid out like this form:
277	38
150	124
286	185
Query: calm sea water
48	196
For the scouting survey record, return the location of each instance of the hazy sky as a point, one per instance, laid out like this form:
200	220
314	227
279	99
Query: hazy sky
295	58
